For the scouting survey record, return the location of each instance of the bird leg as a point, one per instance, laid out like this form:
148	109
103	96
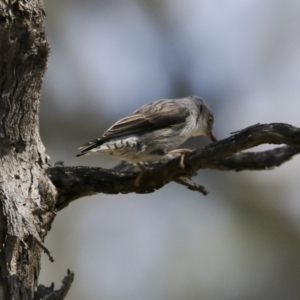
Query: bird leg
182	151
143	171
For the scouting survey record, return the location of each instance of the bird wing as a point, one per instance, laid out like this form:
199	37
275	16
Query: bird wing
150	117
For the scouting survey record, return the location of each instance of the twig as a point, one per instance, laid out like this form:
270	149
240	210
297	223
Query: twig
191	185
48	293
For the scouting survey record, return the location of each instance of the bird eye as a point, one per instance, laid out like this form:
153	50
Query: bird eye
210	120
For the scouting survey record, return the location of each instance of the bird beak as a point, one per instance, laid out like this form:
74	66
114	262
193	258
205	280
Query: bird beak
212	137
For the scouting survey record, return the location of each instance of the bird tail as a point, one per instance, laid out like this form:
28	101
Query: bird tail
81	154
86	148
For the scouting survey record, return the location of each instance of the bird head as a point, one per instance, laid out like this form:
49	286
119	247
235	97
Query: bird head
204	119
209	127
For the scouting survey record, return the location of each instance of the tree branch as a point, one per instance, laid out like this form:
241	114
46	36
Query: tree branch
75	182
265	160
49	293
191	185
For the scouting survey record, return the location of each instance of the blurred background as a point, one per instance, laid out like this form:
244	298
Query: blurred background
240	242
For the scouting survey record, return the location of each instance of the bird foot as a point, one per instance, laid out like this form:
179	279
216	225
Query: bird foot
139	177
182	151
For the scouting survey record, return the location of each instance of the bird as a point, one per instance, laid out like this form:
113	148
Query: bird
155	130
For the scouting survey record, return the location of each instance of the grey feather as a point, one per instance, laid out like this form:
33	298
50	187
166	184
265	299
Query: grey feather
171	120
153	116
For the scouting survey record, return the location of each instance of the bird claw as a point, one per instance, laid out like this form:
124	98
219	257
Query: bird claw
139	177
182	151
181	164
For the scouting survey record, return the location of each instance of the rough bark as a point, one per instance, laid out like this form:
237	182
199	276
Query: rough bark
27	196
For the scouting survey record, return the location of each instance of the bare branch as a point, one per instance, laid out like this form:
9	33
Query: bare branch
265	160
49	293
75	182
191	185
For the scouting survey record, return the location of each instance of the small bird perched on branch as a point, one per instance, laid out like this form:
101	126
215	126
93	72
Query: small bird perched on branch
154	130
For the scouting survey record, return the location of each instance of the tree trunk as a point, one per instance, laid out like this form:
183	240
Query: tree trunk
27	196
